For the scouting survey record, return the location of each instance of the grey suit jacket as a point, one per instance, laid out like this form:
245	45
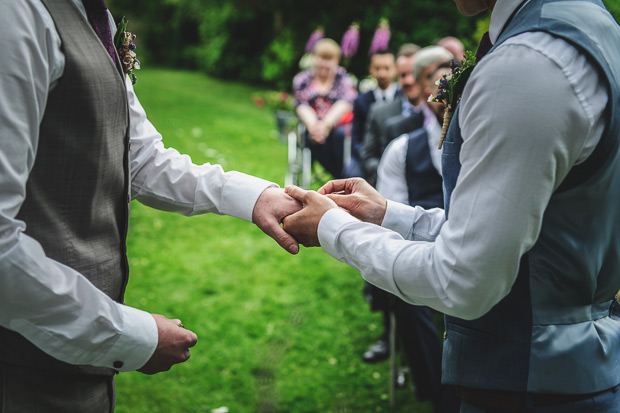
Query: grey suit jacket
384	123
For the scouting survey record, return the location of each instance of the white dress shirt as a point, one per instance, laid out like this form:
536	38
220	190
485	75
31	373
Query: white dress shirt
392	169
52	305
531	110
388	93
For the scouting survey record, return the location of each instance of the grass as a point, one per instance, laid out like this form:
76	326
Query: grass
276	333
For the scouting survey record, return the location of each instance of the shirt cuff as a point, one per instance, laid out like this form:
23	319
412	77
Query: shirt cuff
398	217
240	194
329	227
136	344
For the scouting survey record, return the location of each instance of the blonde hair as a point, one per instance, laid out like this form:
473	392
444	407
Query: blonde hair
326	48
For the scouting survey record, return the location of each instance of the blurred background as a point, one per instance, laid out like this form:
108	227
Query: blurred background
262	41
277	333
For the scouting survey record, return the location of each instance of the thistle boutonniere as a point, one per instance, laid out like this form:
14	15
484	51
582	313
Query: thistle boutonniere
123	42
451	88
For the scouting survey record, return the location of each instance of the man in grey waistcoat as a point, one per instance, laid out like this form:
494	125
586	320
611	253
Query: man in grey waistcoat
75	149
524	258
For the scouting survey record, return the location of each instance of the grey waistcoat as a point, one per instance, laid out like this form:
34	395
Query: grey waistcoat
77	193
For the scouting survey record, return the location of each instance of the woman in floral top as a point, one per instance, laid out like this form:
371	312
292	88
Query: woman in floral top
324	98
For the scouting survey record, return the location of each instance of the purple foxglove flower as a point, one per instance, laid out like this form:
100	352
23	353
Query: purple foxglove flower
350	41
314	37
381	39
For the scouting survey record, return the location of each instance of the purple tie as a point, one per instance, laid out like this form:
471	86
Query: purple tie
97	13
484	47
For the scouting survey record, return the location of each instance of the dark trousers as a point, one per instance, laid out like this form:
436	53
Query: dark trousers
24	389
419	341
330	153
421	347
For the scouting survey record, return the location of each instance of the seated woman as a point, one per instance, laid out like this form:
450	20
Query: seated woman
324	96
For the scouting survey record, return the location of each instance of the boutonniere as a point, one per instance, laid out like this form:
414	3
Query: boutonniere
123	42
451	88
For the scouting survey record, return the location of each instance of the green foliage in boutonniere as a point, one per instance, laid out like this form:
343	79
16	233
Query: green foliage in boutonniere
123	42
451	88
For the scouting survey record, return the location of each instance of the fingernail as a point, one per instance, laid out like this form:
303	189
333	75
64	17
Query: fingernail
293	249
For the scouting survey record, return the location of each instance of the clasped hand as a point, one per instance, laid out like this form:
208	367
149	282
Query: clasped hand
354	195
299	212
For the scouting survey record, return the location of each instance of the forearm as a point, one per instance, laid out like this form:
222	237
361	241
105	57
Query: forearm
167	180
307	115
63	314
336	112
426	273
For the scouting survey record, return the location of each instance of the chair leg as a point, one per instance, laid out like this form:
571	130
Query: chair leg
393	361
306	174
293	161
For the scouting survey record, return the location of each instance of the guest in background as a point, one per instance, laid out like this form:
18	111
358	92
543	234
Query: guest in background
383	69
400	165
408	49
454	46
324	96
390	120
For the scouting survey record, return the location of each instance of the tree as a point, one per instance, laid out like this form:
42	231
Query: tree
262	40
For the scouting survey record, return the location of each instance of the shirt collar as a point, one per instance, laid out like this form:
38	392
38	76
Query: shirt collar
501	13
389	93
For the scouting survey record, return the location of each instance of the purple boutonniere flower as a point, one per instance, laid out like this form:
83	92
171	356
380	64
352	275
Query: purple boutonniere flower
451	88
123	42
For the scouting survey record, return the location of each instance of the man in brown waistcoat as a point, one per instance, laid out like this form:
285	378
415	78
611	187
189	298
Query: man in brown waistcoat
75	149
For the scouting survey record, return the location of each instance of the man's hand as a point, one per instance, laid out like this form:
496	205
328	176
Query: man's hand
173	345
270	209
357	197
303	225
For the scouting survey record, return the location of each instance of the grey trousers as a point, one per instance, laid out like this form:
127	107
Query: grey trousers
27	390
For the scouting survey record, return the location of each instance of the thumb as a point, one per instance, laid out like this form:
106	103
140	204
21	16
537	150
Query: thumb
283	238
297	193
343	201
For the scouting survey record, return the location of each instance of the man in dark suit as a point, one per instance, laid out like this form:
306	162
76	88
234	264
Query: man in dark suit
376	136
383	69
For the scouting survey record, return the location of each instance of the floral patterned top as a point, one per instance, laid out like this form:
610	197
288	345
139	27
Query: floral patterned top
306	93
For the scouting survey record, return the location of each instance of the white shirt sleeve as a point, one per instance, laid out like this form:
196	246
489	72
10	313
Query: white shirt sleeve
391	172
434	136
165	179
52	305
530	111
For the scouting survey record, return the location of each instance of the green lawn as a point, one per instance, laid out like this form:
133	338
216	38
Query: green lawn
276	333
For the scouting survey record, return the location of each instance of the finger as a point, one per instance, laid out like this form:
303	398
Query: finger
178	322
193	339
337	185
188	354
284	239
297	193
339	199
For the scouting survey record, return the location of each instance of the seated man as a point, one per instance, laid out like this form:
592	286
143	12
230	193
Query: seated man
410	168
390	120
383	70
